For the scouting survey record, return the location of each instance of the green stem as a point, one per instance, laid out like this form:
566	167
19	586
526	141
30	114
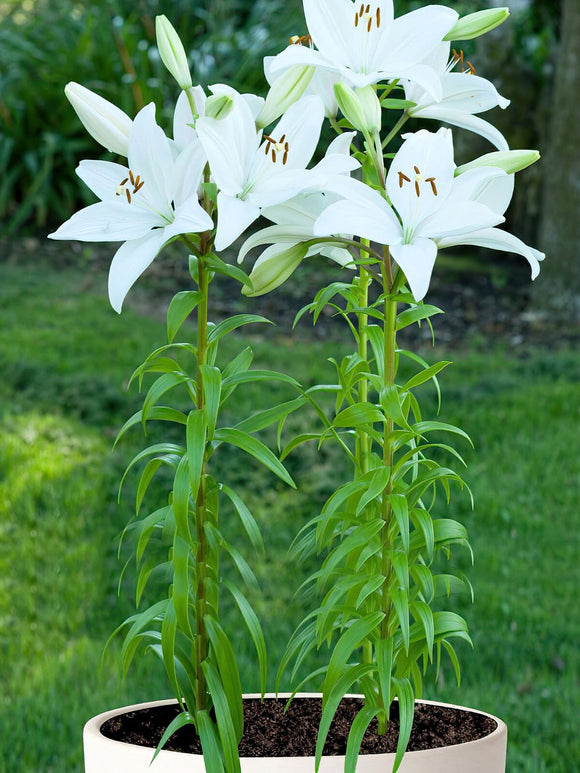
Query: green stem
363	441
389	355
201	548
396	128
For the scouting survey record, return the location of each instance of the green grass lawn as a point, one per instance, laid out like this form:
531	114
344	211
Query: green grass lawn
64	358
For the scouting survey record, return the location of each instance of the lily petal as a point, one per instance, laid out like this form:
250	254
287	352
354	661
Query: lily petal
496	239
379	224
416	261
490	186
102	177
104	222
234	216
466	121
458	217
129	262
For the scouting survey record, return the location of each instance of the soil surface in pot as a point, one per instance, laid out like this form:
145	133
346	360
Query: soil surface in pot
269	732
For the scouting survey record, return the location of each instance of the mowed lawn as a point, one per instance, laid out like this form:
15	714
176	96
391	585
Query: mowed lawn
65	357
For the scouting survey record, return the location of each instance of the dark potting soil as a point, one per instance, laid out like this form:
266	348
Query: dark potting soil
269	732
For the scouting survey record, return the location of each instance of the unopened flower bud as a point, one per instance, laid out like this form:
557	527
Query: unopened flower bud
475	24
511	161
360	107
218	105
272	269
172	52
284	92
107	123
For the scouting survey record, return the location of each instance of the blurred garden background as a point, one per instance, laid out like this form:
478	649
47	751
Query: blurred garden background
65	358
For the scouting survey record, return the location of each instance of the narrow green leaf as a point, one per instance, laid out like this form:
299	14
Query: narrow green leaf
350	640
196	440
426	375
224	721
357	730
349	676
179	309
228	670
255	448
180	501
248	521
404	691
254	629
232	323
358	415
212	385
161	386
181	560
269	416
416	314
376	485
210	743
181	720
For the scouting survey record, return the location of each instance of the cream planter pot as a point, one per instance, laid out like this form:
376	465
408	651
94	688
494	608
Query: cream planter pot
103	755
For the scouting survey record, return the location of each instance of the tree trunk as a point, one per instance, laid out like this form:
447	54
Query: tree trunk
557	289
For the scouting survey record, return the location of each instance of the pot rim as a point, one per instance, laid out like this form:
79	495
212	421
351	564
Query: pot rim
93	725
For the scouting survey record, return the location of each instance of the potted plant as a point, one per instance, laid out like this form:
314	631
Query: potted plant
381	591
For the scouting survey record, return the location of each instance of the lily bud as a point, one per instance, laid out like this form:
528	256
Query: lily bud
511	161
284	92
272	269
107	123
218	106
360	107
475	24
172	52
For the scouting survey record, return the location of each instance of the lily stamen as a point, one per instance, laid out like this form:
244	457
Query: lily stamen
459	58
418	178
279	146
136	182
301	40
364	12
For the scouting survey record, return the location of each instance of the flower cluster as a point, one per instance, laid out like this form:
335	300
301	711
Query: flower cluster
381	212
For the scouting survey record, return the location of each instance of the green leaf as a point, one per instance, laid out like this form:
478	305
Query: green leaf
179	309
196	441
385	654
416	314
210	744
212	384
181	560
227	269
377	482
254	629
404	691
397	104
181	720
224	721
161	386
358	415
357	730
232	323
240	363
168	638
349	676
438	426
180	498
269	416
426	374
400	510
228	670
376	338
250	376
400	601
248	521
390	399
255	448
350	640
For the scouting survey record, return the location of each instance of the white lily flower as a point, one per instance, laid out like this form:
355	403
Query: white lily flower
493	188
145	205
106	122
252	174
365	44
462	95
294	224
422	189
